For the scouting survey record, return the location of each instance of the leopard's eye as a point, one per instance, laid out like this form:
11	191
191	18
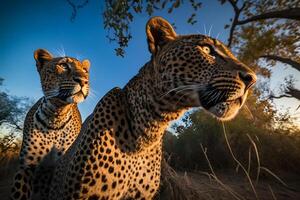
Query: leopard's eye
65	66
207	49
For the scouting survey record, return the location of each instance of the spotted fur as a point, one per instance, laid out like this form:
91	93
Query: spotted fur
54	122
118	152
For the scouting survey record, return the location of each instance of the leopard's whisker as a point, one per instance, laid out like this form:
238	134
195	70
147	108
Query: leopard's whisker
192	86
185	79
174	89
181	97
210	30
217	36
178	91
51	93
92	94
214	96
210	95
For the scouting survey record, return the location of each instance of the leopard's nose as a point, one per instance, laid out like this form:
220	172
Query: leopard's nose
248	78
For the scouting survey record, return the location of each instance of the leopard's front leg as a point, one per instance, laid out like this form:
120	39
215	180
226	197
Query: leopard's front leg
22	186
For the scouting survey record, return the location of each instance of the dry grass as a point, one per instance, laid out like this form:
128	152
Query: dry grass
213	185
227	186
175	186
221	185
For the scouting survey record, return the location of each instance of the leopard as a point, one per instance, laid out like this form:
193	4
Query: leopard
118	153
54	121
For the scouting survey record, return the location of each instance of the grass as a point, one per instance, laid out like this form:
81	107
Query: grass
181	186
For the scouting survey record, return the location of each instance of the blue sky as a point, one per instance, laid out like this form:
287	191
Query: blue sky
31	24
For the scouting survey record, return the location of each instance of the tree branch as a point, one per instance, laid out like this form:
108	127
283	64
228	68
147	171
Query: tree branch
280	96
237	12
76	7
293	92
291	13
234	5
292	63
290	93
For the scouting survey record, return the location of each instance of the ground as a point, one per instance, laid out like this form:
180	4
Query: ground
212	190
207	187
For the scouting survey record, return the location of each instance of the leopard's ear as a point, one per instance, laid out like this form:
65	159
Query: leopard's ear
86	64
41	57
159	32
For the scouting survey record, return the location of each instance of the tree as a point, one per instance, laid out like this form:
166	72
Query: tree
258	10
118	15
277	146
267	29
12	114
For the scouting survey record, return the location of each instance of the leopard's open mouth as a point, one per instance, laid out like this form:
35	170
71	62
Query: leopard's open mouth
222	104
74	95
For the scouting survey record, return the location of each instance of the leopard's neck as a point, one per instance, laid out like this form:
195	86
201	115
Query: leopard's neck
147	114
52	114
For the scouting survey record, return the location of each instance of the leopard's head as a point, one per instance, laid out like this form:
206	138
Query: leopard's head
197	70
63	78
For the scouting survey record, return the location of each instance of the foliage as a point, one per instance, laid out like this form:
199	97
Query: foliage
278	36
276	137
12	114
267	30
119	14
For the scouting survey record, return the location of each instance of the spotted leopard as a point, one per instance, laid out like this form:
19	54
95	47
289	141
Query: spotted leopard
118	153
53	122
